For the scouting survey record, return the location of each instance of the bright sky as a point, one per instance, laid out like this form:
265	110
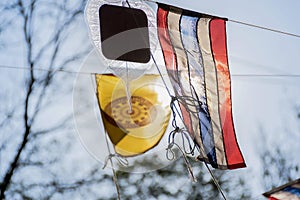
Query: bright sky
265	103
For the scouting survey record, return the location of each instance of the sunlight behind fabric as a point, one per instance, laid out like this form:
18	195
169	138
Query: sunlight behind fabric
133	131
195	54
91	124
134	113
123	36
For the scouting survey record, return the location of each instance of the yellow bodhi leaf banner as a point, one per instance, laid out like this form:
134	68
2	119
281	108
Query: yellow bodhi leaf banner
134	126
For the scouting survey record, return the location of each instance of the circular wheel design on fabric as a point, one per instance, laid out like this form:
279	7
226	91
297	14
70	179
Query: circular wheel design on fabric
142	112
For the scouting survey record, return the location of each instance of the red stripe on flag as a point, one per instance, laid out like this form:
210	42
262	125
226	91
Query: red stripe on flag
170	58
219	49
272	198
164	38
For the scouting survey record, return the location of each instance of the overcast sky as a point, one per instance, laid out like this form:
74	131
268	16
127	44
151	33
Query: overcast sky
265	103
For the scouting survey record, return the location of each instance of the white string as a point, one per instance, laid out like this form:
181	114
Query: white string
264	28
45	70
253	25
93	73
215	181
109	158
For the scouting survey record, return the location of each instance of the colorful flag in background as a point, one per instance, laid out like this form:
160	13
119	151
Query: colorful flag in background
289	191
195	54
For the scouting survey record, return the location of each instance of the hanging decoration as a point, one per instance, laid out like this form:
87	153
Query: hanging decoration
134	109
123	32
188	48
195	55
194	51
136	129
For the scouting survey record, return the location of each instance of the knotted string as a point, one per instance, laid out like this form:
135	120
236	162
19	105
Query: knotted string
184	137
121	160
182	131
170	154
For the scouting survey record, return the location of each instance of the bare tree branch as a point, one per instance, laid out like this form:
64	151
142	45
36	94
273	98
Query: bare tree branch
27	121
27	13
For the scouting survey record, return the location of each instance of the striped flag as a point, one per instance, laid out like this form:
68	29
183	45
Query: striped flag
289	191
195	55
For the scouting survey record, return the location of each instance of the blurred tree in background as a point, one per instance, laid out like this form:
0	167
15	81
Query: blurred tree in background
42	37
173	182
278	164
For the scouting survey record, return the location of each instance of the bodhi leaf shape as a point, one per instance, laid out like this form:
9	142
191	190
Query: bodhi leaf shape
136	129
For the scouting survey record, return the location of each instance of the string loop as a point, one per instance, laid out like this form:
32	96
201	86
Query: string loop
121	160
187	163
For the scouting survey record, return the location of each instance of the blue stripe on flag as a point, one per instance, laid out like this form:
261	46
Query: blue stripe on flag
188	28
293	190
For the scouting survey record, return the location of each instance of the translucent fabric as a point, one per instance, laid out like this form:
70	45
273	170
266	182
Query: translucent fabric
126	70
134	126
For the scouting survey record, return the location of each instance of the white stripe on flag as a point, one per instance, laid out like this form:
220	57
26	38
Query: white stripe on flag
174	30
211	88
